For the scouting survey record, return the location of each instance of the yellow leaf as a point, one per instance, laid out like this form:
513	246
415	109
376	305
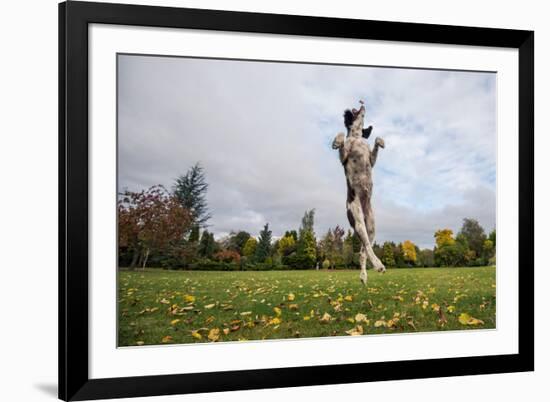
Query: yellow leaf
189	298
226	331
277	310
174	322
293	307
214	334
275	321
291	297
358	330
450	309
140	343
380	323
167	339
196	334
307	317
360	317
325	318
466	319
435	307
209	306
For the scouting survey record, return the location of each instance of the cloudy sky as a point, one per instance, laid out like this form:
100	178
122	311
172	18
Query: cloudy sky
262	131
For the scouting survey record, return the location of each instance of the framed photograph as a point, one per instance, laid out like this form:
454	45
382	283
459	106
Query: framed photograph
258	201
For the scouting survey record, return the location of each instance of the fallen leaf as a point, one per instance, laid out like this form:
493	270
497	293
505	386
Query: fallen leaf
291	297
226	331
214	334
348	298
189	298
140	343
167	339
196	334
466	319
174	322
164	301
209	306
293	307
246	313
325	318
380	323
360	317
358	330
277	310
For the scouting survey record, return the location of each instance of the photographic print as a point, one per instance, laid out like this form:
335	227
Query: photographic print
262	200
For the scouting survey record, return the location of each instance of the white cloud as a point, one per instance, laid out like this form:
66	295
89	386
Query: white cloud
263	131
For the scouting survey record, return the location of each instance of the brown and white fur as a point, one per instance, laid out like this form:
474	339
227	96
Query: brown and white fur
358	161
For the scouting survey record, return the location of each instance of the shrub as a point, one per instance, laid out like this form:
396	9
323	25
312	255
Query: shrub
228	256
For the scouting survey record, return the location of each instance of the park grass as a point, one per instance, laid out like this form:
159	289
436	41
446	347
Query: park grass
160	307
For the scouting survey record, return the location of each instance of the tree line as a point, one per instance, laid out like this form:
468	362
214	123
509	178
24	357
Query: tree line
169	229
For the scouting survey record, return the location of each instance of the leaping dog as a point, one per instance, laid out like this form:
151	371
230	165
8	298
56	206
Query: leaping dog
358	161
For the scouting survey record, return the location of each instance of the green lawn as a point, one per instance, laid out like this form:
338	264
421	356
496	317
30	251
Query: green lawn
158	306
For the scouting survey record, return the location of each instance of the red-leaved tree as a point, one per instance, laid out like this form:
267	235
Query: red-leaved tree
149	221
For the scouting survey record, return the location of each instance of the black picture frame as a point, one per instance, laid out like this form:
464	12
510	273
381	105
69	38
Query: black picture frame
74	18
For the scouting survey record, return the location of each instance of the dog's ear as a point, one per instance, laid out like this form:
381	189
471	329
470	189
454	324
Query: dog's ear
366	132
348	118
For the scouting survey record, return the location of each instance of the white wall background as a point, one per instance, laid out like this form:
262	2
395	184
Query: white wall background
28	197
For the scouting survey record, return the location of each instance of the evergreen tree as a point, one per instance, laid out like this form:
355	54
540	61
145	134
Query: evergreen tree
306	253
263	249
207	245
293	234
190	189
388	259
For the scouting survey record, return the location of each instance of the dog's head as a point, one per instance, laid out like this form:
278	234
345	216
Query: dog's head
353	120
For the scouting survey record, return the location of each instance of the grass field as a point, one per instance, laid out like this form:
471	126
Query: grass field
157	306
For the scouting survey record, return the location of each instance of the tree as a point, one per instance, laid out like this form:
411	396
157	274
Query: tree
207	245
444	237
475	234
190	189
306	252
488	249
150	221
292	233
308	220
398	255
409	252
427	257
493	237
286	245
237	241
449	255
387	257
263	249
349	255
249	248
